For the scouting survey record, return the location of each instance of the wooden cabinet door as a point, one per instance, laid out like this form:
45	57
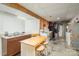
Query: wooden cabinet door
13	46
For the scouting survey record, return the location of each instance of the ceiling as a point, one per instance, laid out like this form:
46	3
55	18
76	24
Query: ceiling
54	11
11	11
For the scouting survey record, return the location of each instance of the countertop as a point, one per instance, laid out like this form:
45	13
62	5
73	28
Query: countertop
34	41
8	37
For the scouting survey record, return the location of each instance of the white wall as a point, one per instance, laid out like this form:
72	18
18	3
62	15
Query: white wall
11	23
0	37
1	21
32	25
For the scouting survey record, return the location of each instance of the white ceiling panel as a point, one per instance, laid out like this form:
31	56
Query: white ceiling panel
63	10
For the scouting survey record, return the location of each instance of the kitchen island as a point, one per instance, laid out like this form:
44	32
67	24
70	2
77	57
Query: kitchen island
28	46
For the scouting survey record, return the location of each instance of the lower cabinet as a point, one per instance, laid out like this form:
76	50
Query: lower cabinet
12	45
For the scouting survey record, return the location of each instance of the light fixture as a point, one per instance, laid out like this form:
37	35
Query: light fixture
21	17
58	18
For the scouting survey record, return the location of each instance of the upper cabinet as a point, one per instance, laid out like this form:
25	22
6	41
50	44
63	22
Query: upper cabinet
32	25
10	23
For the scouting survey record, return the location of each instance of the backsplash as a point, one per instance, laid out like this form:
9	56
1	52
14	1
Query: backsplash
13	34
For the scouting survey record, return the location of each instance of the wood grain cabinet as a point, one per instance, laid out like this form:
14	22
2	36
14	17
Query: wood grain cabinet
12	46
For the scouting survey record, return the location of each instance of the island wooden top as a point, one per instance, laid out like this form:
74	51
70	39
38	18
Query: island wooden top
34	41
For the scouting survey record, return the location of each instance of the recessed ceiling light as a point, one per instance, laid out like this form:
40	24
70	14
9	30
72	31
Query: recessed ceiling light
58	18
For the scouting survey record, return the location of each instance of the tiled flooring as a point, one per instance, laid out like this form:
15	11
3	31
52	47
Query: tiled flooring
58	48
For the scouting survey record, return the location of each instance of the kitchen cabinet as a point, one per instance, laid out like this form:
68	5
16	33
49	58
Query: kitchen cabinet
11	46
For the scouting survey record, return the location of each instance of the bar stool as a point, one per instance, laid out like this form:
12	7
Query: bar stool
45	44
40	50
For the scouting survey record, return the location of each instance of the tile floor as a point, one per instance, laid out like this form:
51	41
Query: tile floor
58	48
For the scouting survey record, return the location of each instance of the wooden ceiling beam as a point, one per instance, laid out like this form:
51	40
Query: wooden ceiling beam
23	9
